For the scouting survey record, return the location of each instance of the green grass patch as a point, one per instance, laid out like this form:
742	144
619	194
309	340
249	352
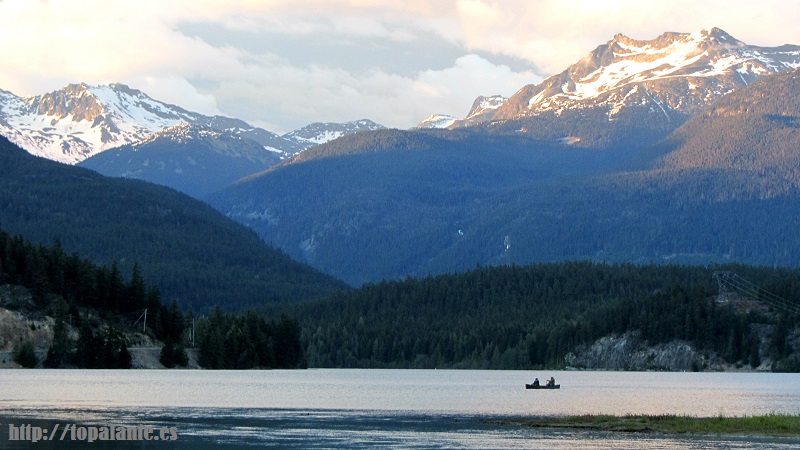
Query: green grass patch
768	425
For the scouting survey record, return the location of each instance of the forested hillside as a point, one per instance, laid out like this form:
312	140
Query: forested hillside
522	317
673	216
190	252
754	130
380	205
97	311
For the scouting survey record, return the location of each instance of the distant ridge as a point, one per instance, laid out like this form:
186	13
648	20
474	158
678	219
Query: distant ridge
191	158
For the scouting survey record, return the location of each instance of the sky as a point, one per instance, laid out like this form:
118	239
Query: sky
282	64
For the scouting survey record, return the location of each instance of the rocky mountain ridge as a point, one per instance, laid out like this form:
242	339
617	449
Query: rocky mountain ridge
79	120
322	132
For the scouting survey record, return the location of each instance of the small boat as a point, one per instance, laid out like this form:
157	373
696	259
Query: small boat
542	386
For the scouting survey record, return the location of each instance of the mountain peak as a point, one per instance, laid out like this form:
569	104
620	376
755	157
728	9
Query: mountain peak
717	34
674	71
76	100
79	120
437	121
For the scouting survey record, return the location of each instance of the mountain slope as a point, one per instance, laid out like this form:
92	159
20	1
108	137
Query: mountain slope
193	159
191	252
723	187
437	121
483	110
382	204
74	123
755	130
679	71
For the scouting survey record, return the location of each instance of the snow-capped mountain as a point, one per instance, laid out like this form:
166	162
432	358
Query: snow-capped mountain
674	72
73	123
322	132
80	120
437	121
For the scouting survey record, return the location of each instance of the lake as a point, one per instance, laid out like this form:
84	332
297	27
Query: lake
339	408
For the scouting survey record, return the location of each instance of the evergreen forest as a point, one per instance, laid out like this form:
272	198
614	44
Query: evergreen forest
512	317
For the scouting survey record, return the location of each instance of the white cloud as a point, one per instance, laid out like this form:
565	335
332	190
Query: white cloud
178	91
327	94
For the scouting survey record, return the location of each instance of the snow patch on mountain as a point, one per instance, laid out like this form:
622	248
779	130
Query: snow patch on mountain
437	121
483	110
80	120
322	132
483	105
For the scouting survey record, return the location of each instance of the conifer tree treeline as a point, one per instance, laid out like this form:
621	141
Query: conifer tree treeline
247	341
49	270
511	317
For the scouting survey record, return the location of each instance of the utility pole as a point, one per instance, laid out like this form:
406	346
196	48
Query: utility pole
144	325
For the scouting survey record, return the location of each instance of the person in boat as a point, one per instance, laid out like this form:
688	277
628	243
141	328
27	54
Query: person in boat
536	382
551	382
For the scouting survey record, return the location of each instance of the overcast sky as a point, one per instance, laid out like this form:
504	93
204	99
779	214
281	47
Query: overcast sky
284	64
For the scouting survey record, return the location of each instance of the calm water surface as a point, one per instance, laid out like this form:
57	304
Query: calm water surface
385	408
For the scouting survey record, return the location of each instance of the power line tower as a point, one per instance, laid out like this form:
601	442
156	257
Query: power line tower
144	323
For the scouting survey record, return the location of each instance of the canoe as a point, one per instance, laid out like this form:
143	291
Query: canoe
541	386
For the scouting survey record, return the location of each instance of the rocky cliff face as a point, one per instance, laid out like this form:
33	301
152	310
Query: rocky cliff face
20	321
630	352
15	326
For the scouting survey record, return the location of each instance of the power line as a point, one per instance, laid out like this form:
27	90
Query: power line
731	282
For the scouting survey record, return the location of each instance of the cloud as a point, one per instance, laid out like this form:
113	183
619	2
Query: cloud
329	94
180	92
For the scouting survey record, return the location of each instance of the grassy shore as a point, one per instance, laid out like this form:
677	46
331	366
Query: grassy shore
767	425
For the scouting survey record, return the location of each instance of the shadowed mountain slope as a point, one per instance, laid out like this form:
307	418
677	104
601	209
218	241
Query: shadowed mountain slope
191	252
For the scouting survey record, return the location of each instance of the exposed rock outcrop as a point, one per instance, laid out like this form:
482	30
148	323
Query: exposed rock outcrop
630	352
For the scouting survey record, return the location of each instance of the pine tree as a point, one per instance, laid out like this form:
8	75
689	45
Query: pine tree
58	355
24	354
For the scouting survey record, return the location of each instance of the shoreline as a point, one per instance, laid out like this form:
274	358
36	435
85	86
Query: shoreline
771	425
